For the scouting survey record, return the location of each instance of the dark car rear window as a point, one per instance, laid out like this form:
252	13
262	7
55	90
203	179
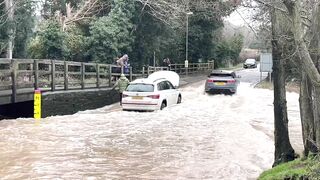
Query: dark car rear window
140	88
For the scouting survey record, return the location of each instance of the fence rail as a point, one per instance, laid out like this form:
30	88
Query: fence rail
17	75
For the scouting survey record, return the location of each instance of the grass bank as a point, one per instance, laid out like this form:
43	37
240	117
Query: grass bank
234	68
290	86
299	169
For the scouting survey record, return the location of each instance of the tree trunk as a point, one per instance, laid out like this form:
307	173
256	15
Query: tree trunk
316	114
306	113
10	11
283	149
315	46
307	97
306	62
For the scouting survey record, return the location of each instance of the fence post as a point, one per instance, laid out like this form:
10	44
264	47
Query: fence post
36	74
14	65
130	73
98	75
83	76
53	75
66	81
143	69
110	75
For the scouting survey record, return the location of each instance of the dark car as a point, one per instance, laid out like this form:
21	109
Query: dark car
221	81
250	63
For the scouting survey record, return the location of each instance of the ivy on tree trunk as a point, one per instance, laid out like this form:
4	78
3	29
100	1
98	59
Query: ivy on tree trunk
283	149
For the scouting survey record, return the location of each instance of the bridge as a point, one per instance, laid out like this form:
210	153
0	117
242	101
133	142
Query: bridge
68	86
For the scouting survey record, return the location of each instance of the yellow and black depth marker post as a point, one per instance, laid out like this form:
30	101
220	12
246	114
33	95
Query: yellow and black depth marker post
37	104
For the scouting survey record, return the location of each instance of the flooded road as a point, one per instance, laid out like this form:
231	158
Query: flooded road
205	137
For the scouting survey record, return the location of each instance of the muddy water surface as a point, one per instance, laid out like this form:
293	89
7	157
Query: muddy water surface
205	137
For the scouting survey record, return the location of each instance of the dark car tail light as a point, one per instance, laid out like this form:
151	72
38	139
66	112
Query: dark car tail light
210	80
154	96
231	81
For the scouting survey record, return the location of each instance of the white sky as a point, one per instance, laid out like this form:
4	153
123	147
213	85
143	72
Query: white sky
236	19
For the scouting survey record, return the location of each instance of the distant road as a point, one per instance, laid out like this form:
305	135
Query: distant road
251	76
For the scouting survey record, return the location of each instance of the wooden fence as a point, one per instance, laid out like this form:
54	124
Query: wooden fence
180	68
53	75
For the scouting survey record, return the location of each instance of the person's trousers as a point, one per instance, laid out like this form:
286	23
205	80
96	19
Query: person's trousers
120	96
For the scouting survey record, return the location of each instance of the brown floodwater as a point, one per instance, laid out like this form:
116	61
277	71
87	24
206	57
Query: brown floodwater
205	137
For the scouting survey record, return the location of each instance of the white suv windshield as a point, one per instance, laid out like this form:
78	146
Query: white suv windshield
140	88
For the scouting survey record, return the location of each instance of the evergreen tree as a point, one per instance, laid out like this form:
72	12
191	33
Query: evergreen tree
153	37
25	23
111	35
22	27
50	42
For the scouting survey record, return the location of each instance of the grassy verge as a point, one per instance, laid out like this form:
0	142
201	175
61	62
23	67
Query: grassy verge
294	170
234	68
265	84
290	86
291	170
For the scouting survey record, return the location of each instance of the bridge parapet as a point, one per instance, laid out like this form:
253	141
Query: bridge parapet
20	77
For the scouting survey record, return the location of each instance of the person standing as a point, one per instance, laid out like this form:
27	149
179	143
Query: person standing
121	85
123	60
167	62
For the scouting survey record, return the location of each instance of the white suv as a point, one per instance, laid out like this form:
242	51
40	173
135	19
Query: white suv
150	94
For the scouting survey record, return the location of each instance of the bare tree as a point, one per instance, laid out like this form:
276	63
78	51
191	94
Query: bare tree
170	11
9	21
10	13
304	17
307	64
86	10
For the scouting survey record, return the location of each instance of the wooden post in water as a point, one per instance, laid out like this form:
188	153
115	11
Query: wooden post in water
14	66
36	73
53	75
66	81
83	71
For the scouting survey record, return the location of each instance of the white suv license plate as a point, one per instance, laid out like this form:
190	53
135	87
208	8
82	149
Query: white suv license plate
137	97
220	83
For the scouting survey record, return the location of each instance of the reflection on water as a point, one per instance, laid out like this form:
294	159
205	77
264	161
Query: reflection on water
205	137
